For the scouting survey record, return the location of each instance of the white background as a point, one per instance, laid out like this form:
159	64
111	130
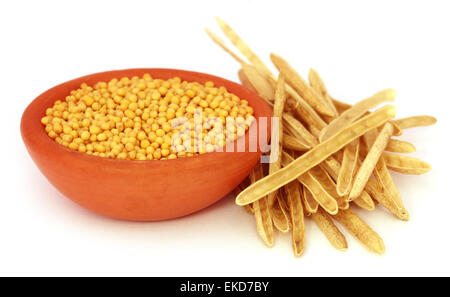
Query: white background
359	47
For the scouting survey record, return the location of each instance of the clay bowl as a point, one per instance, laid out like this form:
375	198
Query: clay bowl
140	190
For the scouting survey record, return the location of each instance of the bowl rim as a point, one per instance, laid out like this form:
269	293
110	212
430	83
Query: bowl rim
43	136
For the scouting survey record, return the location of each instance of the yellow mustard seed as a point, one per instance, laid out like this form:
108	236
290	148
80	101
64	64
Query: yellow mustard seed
141	135
94	129
157	155
101	137
209	84
145	143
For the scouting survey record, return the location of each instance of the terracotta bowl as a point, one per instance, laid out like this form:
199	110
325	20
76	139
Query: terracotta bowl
140	190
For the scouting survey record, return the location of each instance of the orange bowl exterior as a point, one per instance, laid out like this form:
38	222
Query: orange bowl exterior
139	190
